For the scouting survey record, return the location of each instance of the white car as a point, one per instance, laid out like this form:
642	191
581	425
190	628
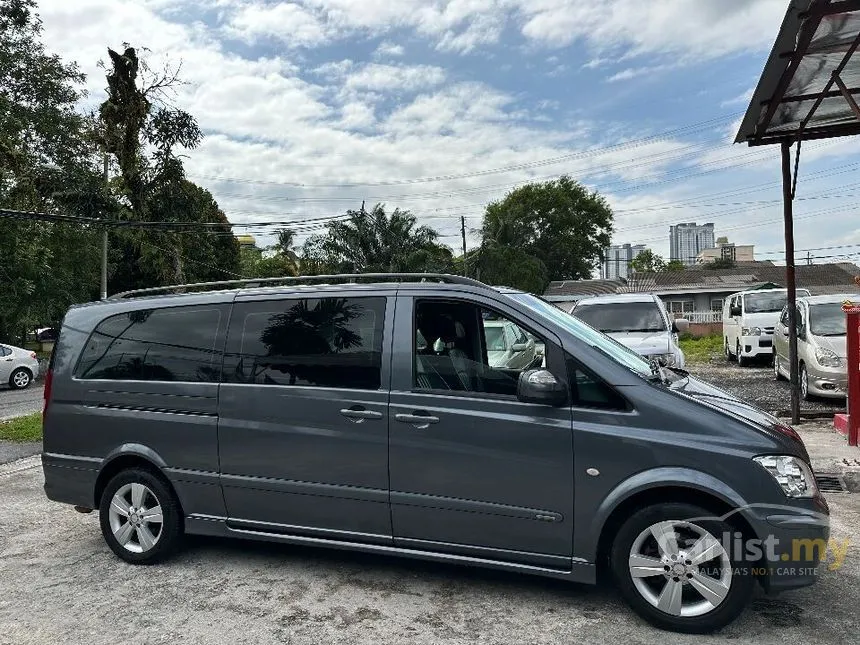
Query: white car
749	318
638	321
18	367
508	346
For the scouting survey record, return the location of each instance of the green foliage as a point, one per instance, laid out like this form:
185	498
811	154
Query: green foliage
507	266
701	350
559	222
720	263
22	429
675	265
370	242
648	261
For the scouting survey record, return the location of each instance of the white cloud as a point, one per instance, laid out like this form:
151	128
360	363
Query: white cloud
407	78
388	50
288	22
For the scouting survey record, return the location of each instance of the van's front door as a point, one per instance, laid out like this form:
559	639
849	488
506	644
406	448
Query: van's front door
473	470
303	416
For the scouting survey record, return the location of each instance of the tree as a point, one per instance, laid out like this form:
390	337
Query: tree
369	242
276	261
648	262
720	263
509	267
675	265
559	222
141	130
45	165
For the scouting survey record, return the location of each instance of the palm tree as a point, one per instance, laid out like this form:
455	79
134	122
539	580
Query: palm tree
372	241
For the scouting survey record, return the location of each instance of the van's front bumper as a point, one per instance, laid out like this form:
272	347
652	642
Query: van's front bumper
757	345
800	539
827	381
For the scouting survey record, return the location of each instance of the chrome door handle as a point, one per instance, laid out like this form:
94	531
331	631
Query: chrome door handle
360	414
417	419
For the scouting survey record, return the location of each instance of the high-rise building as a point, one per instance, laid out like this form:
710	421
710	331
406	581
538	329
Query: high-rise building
686	241
617	259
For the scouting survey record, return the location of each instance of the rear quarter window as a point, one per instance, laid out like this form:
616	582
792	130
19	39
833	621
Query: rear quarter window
169	344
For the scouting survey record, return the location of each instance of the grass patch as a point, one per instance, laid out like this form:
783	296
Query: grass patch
701	350
22	429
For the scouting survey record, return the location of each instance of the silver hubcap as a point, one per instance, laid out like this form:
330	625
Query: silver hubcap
680	568
21	379
135	518
804	382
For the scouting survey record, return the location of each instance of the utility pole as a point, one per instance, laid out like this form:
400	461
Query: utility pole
105	237
463	232
788	217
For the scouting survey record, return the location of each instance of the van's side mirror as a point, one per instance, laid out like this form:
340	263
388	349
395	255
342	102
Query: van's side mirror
541	386
519	347
735	311
680	325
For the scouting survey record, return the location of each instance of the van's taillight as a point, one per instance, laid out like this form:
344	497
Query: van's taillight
49	380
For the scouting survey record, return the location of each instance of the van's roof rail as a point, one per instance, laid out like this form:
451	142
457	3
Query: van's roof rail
302	279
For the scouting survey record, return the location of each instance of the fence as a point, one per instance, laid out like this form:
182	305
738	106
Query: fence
702	316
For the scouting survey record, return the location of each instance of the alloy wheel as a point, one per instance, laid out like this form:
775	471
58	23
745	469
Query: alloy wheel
804	382
135	518
21	379
680	568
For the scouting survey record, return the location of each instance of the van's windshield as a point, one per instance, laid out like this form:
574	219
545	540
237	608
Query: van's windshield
827	320
587	334
768	301
610	317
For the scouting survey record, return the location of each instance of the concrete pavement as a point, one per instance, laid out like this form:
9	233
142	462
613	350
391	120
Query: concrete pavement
17	403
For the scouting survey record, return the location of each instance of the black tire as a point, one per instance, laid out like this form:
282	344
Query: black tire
776	374
740	586
170	534
742	361
727	351
803	376
20	379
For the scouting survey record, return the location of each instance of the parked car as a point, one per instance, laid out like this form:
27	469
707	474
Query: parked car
749	318
315	414
638	321
18	367
821	346
508	346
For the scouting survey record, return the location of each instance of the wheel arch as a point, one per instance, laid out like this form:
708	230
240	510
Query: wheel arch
660	486
128	456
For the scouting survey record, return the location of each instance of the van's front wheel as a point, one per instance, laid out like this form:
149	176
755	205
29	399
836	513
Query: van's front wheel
671	566
140	518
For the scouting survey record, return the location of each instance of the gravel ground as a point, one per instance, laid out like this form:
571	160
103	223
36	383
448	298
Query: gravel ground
231	591
17	403
756	385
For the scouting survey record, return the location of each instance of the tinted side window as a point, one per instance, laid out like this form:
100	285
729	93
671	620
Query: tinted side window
170	344
589	391
323	342
5	351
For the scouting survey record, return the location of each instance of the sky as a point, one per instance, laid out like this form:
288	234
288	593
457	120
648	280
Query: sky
311	107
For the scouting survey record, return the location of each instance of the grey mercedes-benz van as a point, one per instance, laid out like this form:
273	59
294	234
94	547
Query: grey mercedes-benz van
362	412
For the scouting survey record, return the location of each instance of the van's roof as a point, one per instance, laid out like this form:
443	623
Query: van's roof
620	297
226	295
830	299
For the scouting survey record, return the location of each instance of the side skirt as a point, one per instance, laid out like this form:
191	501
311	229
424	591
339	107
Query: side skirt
579	571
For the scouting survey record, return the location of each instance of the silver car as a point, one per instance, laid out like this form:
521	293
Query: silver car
508	346
821	346
18	367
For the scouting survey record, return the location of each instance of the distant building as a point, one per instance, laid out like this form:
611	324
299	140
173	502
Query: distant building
246	241
726	250
617	259
686	241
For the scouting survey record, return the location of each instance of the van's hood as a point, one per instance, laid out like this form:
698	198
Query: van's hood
643	342
764	319
836	344
715	397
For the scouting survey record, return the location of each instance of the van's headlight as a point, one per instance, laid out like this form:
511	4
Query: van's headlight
667	360
827	358
792	473
751	331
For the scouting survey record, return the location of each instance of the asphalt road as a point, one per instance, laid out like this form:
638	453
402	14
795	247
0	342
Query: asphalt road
60	583
16	403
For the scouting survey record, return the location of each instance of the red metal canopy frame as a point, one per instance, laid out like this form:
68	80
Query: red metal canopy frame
806	91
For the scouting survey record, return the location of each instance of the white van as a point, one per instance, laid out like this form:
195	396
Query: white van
638	321
749	318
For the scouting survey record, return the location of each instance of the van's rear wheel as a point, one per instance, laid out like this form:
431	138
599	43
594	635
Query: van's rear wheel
671	566
140	517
